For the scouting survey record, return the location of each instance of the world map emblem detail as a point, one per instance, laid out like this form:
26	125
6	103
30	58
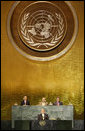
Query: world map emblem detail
42	29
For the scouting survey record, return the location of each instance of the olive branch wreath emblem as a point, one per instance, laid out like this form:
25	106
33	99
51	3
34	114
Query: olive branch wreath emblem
29	40
42	123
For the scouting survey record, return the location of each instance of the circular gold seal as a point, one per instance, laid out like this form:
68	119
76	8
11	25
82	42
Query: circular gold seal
42	123
42	30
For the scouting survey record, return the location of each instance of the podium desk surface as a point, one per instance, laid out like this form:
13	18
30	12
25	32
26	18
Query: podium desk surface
31	112
62	112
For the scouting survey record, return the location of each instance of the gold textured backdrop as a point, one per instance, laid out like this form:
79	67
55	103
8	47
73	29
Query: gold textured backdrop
62	77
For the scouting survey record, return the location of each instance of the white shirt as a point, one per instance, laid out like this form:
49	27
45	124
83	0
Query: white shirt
43	116
25	101
43	103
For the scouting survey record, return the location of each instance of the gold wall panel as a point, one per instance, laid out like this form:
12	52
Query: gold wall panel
62	77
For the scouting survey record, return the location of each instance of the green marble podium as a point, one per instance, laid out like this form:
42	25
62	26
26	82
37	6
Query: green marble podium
31	112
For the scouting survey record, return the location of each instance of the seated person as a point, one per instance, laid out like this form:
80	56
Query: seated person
58	102
43	102
25	101
43	115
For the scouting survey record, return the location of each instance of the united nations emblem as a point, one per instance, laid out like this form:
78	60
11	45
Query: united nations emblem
42	123
42	30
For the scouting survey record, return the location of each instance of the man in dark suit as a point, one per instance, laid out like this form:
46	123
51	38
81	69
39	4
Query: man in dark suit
58	102
43	115
25	101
